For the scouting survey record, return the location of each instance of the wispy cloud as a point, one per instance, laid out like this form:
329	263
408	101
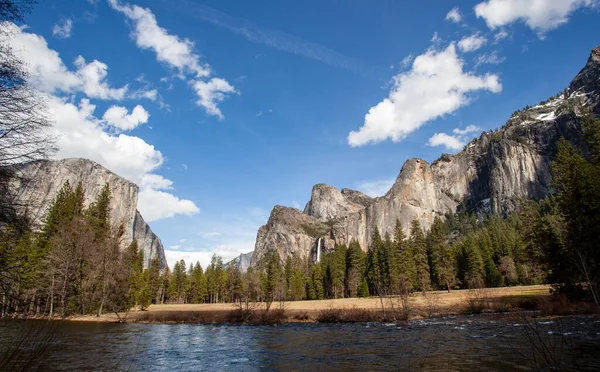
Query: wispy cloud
455	141
375	188
273	38
62	29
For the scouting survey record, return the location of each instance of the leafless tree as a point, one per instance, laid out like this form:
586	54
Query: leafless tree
24	121
14	11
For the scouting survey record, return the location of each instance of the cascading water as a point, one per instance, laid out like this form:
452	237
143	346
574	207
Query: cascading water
319	249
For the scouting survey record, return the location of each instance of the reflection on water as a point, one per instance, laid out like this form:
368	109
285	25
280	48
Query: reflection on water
463	343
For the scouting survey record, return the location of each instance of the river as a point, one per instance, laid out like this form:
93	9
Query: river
461	343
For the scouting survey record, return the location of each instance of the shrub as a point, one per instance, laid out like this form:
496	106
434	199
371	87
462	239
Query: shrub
353	315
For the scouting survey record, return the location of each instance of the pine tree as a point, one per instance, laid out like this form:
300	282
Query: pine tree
373	266
355	266
363	290
294	277
470	264
335	264
407	271
271	278
155	280
98	214
577	182
419	249
316	289
442	259
198	285
386	263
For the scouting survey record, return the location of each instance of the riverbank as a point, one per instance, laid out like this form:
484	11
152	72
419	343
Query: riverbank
417	306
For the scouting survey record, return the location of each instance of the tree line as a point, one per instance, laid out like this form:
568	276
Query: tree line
74	264
555	240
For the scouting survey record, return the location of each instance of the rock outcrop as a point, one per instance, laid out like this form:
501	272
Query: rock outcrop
242	262
490	175
39	181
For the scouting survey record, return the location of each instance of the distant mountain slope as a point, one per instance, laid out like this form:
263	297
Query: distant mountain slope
489	175
242	262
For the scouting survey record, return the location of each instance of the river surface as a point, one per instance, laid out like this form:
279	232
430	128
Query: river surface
476	343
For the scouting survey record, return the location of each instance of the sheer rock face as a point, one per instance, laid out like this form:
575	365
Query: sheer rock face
490	175
40	181
242	262
290	233
327	203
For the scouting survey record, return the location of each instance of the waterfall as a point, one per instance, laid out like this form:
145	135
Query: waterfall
319	249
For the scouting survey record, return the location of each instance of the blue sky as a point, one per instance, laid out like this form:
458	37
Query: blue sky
220	110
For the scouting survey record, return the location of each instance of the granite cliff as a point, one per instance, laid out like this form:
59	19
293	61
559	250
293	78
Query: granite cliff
490	175
39	181
241	262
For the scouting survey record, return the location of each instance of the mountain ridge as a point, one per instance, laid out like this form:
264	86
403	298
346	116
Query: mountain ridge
490	175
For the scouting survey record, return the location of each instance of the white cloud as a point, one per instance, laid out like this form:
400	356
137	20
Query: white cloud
448	141
49	74
406	61
375	188
146	93
92	77
177	53
490	58
467	130
118	117
471	43
210	93
453	142
156	204
169	49
81	134
454	15
62	29
155	181
500	35
46	69
435	86
539	15
174	255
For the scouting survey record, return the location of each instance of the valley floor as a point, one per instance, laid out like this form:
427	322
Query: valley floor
430	304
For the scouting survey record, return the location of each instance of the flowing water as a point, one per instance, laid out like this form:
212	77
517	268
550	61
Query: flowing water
475	343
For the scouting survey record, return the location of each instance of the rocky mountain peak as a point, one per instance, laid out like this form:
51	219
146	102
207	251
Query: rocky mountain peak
241	262
357	197
588	79
328	203
490	175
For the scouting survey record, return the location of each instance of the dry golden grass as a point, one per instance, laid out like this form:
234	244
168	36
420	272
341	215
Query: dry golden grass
435	303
